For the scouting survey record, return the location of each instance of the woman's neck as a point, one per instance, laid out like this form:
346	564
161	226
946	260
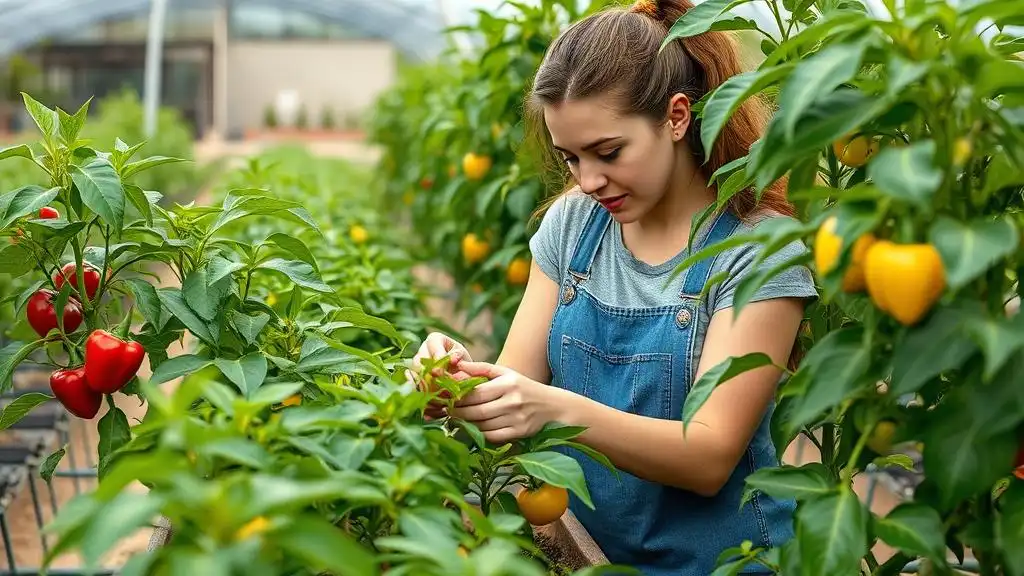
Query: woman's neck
665	230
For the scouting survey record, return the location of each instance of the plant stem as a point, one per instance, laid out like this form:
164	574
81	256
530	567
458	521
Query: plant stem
778	20
852	462
828	446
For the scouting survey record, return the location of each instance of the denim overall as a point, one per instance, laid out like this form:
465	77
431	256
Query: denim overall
640	360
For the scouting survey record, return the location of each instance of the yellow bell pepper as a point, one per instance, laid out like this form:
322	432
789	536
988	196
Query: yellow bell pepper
904	280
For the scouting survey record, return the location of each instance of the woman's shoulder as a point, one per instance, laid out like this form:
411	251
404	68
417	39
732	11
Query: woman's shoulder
561	226
571	203
567	214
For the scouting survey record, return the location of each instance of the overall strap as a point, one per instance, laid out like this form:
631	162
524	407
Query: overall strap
590	239
699	273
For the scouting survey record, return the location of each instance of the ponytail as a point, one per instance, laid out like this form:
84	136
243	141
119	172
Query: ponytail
717	55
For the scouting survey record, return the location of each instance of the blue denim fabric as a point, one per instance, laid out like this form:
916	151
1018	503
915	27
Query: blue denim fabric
640	360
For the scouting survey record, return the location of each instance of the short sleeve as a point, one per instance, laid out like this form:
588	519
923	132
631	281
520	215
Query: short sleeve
546	243
794	281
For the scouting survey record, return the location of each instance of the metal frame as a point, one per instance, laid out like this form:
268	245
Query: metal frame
416	28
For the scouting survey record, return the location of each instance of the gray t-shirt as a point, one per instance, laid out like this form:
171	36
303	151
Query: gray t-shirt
619	279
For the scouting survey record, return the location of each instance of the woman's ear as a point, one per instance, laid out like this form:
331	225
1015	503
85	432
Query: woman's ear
679	116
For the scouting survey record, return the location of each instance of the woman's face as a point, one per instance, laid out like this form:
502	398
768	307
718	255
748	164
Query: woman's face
625	162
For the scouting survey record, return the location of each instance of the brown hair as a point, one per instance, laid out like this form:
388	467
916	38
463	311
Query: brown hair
617	51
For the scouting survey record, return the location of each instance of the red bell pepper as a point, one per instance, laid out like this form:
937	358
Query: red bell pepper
48	213
69	273
110	362
42	315
70	388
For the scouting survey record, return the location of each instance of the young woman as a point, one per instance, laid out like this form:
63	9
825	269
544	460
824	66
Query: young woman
619	344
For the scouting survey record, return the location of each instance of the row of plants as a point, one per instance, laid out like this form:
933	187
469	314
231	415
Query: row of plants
901	141
287	437
899	134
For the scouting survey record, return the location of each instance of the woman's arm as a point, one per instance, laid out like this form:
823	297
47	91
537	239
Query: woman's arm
715	440
525	349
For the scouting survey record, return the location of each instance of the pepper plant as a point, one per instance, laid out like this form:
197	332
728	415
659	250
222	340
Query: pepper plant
902	138
294	443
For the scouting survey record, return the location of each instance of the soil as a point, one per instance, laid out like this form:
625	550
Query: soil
558	561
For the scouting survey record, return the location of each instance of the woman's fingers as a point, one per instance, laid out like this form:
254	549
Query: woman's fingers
484	369
484	393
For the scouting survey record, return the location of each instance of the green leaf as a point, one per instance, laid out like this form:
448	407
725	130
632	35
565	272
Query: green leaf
248	372
838	364
20	407
701	18
969	249
915	529
907	173
728	97
815	77
998	77
45	118
360	319
175	303
941	343
717	248
24	201
147	302
251	205
590	452
828	119
238	450
833	535
114	433
998	338
101	190
297	271
18	151
558	470
351	453
119	518
1010	527
15	261
177	367
295	247
10	358
716	375
791	482
134	168
71	125
248	327
50	464
970	439
203	295
137	196
274	393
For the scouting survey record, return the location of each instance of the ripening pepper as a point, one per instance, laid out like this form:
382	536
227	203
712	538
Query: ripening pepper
904	280
69	387
828	247
111	362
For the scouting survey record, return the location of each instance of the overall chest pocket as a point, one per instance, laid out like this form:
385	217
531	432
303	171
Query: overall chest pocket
637	383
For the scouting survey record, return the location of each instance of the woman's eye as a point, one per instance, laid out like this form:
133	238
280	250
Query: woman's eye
610	156
571	160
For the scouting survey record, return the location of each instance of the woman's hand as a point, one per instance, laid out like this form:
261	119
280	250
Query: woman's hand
509	406
436	346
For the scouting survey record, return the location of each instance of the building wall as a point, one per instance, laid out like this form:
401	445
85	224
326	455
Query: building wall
346	75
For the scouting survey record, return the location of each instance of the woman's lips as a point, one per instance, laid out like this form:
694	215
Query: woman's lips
614	203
